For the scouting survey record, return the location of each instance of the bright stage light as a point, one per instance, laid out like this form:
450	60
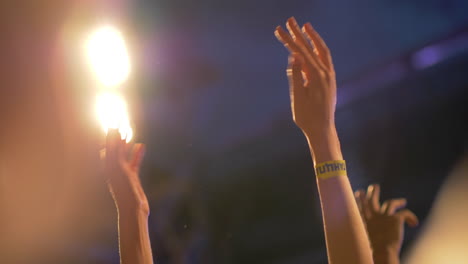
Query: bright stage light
112	113
108	56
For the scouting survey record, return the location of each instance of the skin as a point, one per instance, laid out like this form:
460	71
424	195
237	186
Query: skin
313	100
385	223
122	172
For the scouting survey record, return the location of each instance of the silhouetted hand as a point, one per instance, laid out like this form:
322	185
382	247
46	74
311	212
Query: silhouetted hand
311	77
384	223
122	172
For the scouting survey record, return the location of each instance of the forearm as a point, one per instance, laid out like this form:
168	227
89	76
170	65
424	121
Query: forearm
134	241
346	238
345	234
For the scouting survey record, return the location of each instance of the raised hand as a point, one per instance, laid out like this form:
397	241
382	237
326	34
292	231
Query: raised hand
122	172
312	88
384	222
311	78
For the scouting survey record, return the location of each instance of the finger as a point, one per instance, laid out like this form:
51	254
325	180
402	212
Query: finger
138	153
409	217
366	213
357	195
391	206
373	196
286	39
298	36
319	44
302	42
296	80
291	45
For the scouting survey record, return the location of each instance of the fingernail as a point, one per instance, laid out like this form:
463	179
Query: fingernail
294	21
358	193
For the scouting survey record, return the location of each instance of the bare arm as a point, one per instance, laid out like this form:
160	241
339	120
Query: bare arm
130	199
134	242
345	234
313	99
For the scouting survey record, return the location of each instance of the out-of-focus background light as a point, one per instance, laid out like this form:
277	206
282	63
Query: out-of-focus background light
108	56
111	110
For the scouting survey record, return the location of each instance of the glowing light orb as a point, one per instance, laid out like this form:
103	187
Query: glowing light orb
112	113
108	56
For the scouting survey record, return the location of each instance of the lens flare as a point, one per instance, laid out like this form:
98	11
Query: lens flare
112	113
108	56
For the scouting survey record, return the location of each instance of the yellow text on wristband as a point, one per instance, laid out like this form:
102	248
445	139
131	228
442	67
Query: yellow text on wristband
331	169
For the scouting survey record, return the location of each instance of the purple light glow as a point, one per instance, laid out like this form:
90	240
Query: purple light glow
427	57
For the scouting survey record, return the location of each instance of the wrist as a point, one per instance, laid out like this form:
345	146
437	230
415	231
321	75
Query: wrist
324	144
132	211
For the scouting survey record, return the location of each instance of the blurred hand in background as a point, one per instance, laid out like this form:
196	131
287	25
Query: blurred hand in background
384	223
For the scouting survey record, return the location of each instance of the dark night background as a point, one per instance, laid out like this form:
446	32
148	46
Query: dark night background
227	173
